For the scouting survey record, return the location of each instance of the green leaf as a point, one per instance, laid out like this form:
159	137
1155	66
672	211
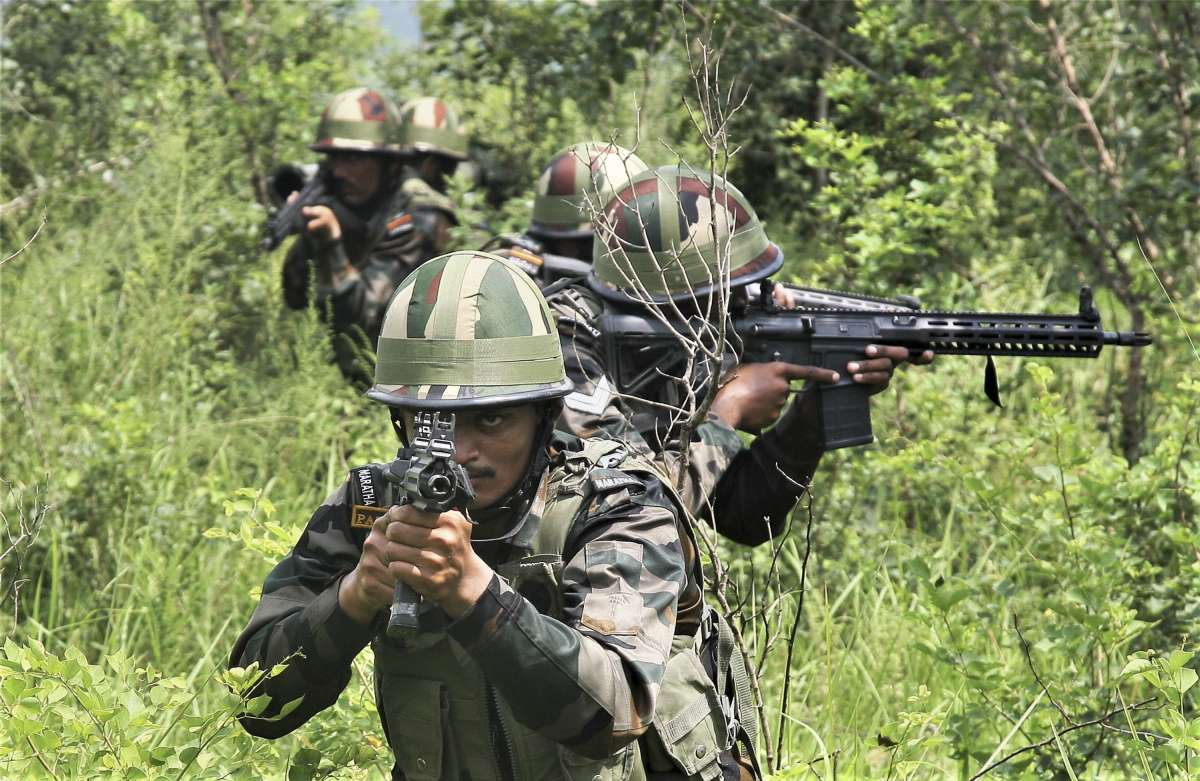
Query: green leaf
1185	679
1136	667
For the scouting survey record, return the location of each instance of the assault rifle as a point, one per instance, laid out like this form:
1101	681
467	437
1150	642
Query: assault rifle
427	477
306	180
643	351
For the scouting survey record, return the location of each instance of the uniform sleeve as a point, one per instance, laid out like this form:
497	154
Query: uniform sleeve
756	491
299	620
297	272
598	673
361	300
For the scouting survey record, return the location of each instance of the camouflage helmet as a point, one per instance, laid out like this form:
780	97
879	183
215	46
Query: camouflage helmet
659	238
591	171
468	329
430	125
358	120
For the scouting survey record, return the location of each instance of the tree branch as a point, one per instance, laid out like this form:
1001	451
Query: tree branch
1034	746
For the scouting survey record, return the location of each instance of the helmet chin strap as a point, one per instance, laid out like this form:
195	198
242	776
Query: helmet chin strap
514	504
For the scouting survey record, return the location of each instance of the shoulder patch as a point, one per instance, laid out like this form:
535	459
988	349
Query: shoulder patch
364	517
593	403
400	224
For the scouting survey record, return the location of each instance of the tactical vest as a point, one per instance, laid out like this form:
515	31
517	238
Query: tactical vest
445	721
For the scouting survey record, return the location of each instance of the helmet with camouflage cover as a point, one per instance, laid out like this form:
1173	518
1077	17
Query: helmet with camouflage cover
581	173
468	329
430	125
358	120
663	235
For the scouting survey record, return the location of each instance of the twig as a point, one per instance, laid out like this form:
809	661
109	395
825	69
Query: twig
29	196
1034	746
791	642
1170	301
1029	661
24	247
830	45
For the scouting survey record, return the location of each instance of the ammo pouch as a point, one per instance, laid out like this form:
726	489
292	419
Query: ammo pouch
704	724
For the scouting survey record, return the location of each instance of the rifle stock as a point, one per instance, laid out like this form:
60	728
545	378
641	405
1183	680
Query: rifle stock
642	349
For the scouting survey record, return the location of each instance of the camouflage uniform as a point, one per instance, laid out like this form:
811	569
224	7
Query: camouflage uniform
380	239
532	683
747	492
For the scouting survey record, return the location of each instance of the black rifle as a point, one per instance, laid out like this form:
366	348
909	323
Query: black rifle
309	182
642	351
427	477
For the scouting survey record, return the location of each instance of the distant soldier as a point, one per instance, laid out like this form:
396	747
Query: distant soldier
658	249
433	143
355	238
575	185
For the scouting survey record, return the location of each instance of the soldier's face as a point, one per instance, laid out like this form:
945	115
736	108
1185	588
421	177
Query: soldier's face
494	445
356	177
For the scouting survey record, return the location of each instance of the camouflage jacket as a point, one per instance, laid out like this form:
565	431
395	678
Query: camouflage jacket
588	681
384	242
746	492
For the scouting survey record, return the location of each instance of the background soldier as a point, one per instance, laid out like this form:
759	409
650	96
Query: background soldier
355	237
747	491
575	184
552	619
433	143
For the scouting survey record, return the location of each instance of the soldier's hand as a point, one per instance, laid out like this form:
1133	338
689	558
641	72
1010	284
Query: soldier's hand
882	360
784	299
755	394
433	554
370	586
322	223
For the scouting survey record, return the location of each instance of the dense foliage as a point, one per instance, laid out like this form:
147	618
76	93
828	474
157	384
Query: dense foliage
978	582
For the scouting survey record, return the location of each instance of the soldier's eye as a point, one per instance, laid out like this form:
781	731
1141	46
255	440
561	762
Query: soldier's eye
492	420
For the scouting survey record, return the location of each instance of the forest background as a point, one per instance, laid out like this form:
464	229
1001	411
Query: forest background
984	592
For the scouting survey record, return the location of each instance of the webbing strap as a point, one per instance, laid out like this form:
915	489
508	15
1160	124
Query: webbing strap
697	711
741	684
